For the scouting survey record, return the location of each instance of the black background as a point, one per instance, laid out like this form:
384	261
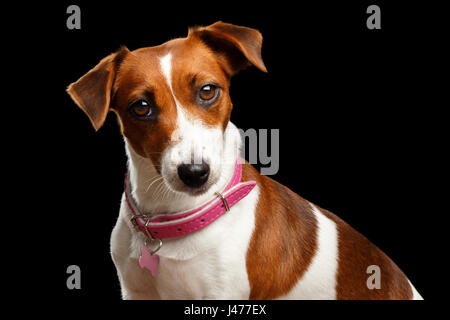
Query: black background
358	112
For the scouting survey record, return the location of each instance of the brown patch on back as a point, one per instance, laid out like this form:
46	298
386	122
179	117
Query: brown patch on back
356	253
284	240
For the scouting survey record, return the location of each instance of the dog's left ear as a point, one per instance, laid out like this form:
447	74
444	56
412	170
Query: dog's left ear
92	92
241	46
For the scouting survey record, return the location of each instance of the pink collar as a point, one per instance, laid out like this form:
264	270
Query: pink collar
186	222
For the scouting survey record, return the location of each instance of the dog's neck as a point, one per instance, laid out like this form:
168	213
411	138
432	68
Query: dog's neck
153	196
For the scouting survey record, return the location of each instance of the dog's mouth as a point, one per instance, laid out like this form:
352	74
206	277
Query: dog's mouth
178	187
195	191
188	181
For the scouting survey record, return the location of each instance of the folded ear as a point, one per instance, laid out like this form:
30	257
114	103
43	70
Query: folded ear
240	45
92	92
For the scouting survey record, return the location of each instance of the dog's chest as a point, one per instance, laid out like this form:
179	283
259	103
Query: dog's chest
212	274
207	264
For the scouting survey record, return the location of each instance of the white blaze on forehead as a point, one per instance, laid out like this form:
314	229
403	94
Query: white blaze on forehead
166	67
195	140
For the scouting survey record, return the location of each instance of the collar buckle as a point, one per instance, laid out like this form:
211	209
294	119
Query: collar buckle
149	238
134	222
224	200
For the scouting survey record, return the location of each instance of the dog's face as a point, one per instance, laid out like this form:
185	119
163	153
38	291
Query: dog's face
172	101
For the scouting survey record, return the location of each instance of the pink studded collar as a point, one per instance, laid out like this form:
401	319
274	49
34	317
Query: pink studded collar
186	222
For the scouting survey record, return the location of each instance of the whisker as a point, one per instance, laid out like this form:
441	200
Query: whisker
159	189
155	177
155	180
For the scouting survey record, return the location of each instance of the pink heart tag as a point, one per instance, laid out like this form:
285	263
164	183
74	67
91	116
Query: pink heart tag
149	261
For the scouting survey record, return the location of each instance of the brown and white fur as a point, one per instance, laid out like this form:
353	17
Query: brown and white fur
273	244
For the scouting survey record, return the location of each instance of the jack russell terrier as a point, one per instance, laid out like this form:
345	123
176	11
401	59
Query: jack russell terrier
196	221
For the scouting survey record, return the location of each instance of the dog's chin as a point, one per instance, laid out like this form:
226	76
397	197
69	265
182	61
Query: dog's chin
195	192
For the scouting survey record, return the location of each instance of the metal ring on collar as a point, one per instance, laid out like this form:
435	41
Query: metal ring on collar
224	200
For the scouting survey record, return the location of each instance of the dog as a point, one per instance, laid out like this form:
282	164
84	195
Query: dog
198	222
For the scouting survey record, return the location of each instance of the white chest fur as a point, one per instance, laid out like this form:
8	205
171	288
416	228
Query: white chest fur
207	264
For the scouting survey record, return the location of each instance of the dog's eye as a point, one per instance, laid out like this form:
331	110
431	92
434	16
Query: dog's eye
141	109
207	94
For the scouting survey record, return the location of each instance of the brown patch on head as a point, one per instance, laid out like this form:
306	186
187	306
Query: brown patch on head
209	55
194	65
140	77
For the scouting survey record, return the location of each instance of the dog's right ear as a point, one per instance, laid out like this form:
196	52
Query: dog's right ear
92	92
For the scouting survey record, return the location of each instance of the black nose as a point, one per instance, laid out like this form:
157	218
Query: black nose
194	175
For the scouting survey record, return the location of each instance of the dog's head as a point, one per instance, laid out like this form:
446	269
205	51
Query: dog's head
172	100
